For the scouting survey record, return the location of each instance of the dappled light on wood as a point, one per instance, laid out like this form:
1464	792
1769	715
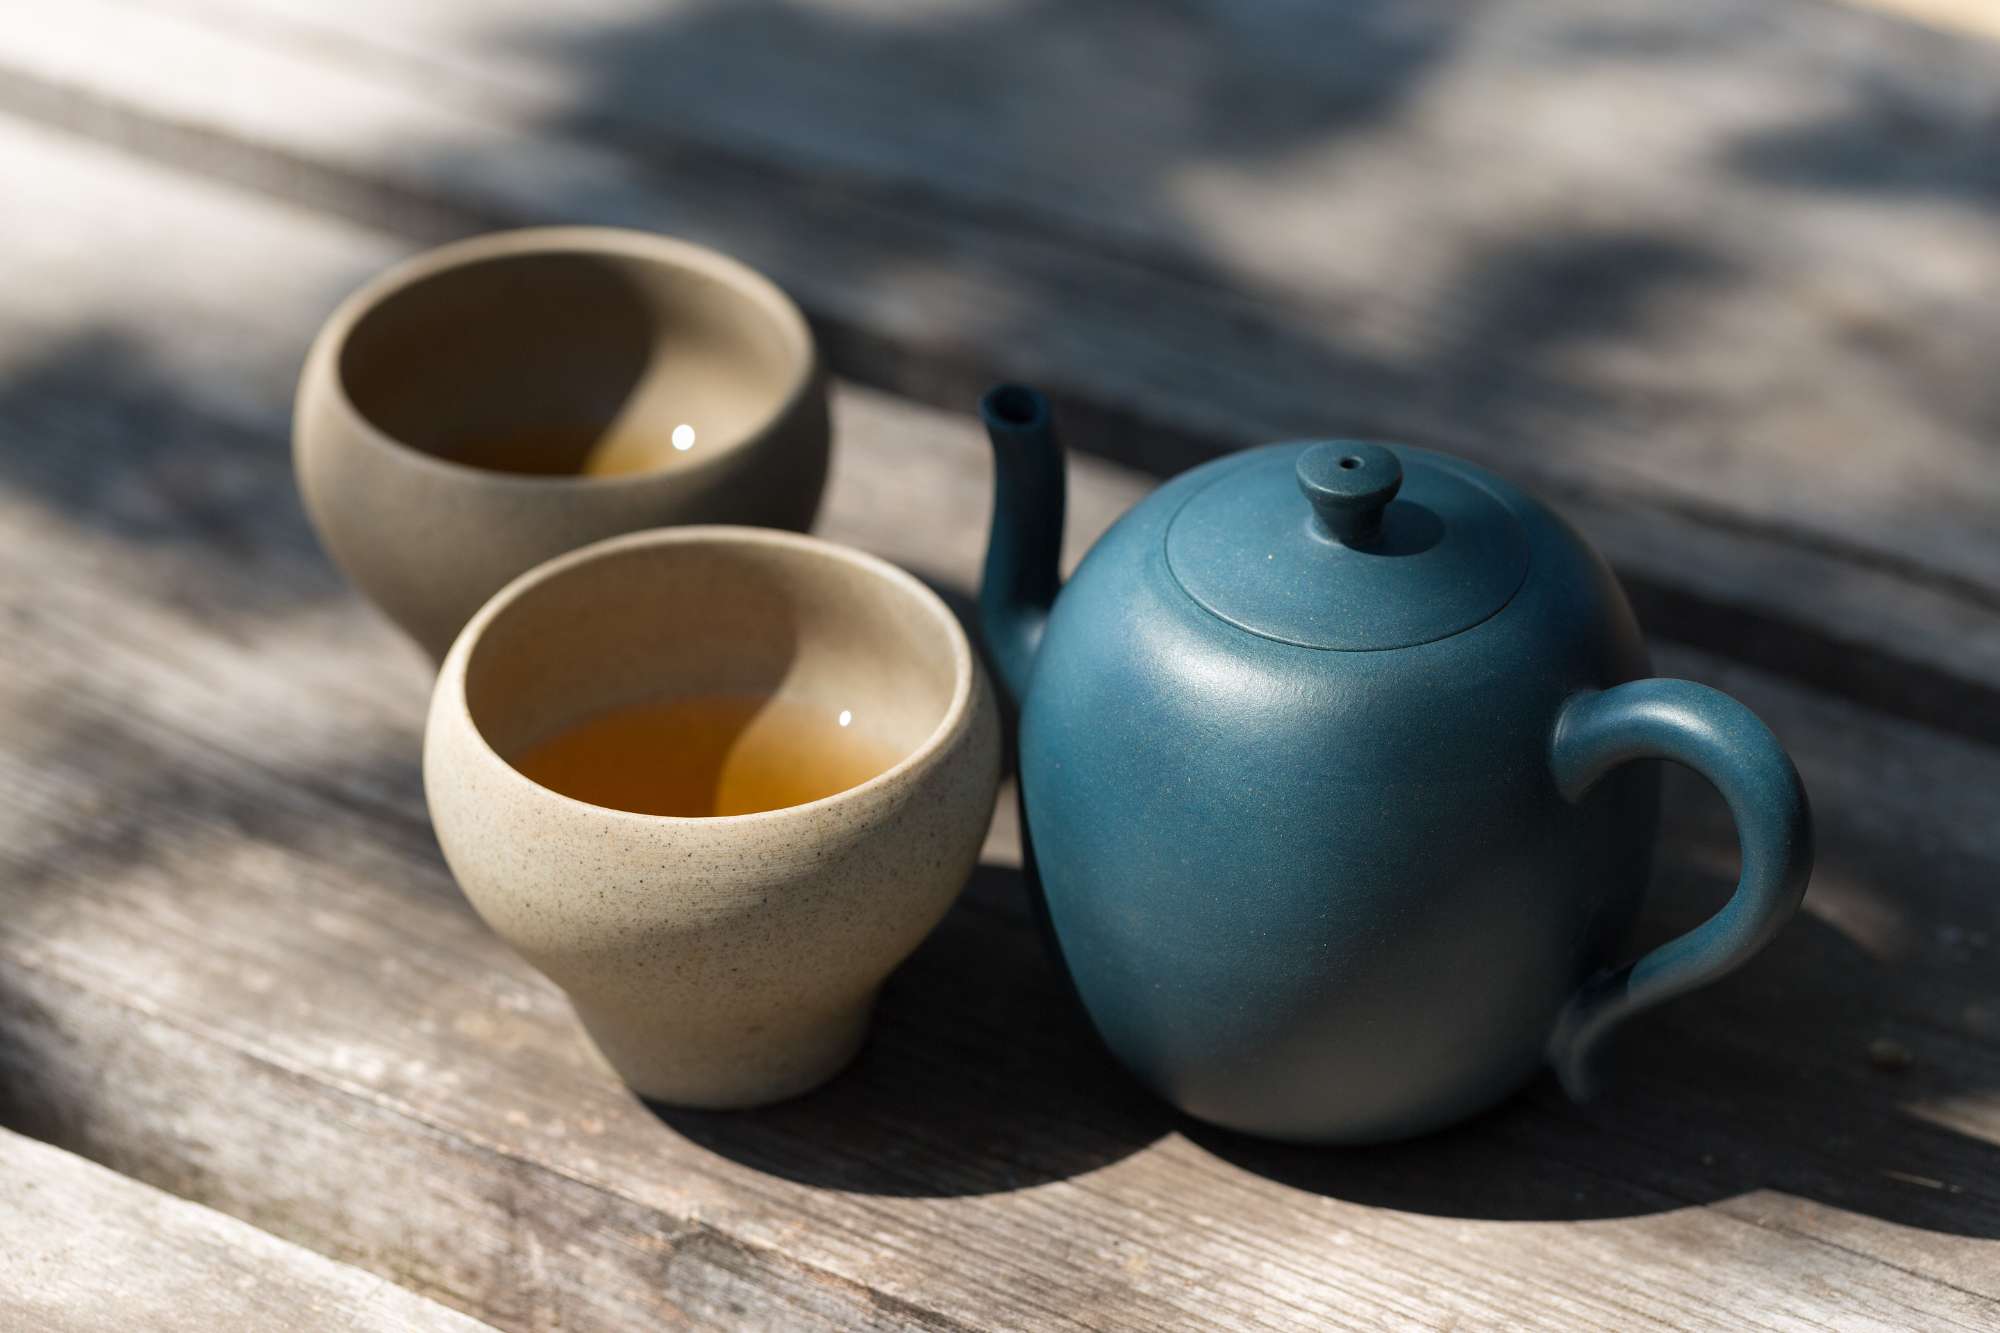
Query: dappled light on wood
1714	280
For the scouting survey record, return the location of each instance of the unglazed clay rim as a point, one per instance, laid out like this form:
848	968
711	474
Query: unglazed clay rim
671	252
957	712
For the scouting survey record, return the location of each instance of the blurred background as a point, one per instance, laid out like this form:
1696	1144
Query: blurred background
1715	272
1714	276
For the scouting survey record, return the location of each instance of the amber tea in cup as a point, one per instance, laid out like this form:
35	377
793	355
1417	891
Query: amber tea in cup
714	671
701	755
585	451
493	403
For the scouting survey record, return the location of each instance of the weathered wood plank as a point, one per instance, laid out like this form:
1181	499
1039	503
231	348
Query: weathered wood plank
85	1250
1709	275
268	959
234	966
491	1136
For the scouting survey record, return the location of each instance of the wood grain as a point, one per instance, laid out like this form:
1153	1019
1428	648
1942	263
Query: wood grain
86	1250
233	966
1710	275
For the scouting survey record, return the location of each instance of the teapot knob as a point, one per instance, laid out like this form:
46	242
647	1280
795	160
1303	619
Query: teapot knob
1349	483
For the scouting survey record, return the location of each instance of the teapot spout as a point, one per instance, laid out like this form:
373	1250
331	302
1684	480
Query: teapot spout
1025	544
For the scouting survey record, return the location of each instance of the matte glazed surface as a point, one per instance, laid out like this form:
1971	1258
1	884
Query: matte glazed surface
1337	895
1440	558
431	377
725	961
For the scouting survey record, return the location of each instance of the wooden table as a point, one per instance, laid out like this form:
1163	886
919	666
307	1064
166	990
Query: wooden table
1716	278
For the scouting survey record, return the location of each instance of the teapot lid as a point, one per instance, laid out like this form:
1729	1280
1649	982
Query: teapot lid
1387	547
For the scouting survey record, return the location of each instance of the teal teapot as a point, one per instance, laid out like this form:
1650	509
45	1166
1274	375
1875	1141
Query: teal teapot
1327	781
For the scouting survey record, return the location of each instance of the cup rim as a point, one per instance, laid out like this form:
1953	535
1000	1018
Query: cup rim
626	242
957	712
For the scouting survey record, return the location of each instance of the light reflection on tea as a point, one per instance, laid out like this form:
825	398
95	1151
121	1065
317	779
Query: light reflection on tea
581	452
705	755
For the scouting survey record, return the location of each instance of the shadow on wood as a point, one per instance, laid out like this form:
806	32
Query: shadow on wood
1623	344
920	1116
1780	1078
202	503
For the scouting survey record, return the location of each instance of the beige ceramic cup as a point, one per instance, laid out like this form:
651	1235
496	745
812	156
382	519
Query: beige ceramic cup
489	404
729	961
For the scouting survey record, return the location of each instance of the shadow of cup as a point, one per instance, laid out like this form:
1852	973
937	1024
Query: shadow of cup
490	404
982	1076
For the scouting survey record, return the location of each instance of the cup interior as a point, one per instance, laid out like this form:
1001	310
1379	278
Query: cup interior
696	613
574	361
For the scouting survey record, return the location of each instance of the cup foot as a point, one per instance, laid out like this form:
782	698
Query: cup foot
750	1064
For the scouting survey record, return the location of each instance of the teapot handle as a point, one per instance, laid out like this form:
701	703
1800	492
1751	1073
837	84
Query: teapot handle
1725	742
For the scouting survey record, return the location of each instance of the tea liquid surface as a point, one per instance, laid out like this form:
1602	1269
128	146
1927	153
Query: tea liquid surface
713	754
579	453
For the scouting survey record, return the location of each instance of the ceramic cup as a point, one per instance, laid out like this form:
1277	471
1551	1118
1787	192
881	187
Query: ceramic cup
495	402
729	961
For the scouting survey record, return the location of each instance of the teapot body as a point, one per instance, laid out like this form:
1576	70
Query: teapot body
1317	894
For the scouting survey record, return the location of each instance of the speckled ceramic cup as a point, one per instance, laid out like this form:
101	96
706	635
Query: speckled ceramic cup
489	404
730	961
